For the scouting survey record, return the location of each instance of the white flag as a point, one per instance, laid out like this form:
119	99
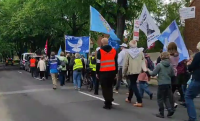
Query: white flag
136	30
148	26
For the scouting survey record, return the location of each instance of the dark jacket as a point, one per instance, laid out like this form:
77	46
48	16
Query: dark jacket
195	67
106	48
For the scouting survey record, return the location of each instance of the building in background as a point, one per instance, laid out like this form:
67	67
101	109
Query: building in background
192	28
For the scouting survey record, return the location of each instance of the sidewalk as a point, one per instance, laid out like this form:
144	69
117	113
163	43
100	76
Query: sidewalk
153	81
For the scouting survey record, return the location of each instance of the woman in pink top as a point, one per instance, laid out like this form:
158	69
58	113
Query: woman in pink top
174	60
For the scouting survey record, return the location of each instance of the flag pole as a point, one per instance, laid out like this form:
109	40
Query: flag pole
65	45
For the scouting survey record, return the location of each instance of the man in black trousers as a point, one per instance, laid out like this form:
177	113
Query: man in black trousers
106	69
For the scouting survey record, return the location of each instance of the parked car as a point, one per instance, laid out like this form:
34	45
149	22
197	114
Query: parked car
24	58
9	61
27	63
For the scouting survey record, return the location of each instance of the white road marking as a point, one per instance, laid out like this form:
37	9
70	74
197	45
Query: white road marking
96	97
20	72
24	91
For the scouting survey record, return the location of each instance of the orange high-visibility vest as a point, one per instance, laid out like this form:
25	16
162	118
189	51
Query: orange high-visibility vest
107	62
32	62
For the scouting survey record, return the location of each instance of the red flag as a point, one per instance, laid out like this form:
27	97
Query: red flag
152	46
46	47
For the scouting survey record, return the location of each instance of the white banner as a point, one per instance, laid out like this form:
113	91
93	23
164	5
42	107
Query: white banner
148	26
187	13
136	30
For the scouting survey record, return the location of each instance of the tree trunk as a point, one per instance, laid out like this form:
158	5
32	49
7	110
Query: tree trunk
121	19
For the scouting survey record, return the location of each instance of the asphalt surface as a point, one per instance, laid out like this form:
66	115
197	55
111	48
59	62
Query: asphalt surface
23	98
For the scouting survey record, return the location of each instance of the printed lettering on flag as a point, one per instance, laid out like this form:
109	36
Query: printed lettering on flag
148	26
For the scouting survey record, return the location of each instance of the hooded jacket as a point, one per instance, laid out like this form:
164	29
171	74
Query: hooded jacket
106	48
165	71
134	62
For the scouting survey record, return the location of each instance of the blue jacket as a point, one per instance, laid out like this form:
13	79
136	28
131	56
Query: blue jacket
53	64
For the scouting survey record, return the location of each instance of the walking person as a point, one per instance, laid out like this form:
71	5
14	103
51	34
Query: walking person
62	62
68	68
92	65
47	67
134	63
78	66
120	61
33	67
106	69
53	64
194	87
42	68
182	78
143	78
71	66
174	60
165	72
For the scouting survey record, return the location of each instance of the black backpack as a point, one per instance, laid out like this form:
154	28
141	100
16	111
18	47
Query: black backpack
150	63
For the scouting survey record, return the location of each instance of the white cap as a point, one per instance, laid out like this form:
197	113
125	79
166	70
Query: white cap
123	45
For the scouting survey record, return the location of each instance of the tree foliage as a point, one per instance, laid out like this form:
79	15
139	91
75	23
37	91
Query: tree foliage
27	24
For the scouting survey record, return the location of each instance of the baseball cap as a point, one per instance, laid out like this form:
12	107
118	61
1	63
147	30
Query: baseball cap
123	45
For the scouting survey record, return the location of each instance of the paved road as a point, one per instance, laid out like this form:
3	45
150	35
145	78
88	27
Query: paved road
26	99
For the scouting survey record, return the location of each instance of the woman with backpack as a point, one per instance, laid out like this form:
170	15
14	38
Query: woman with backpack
62	62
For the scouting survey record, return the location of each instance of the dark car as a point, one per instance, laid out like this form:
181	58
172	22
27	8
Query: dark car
9	61
27	63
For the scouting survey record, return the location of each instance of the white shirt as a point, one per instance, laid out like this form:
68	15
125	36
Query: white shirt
121	57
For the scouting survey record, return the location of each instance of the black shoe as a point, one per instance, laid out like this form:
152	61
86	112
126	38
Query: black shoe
96	93
107	107
54	88
159	115
170	114
151	96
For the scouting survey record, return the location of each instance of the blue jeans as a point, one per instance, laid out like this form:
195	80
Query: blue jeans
133	88
184	88
144	87
192	91
77	78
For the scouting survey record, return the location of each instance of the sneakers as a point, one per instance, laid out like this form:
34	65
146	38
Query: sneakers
178	93
138	105
128	101
75	87
175	105
159	115
115	91
79	89
151	96
107	107
170	114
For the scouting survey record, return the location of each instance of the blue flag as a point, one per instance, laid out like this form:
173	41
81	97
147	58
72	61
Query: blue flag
113	43
77	44
172	34
99	24
59	51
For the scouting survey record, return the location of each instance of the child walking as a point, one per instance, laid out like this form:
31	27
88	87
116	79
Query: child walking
165	72
143	78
